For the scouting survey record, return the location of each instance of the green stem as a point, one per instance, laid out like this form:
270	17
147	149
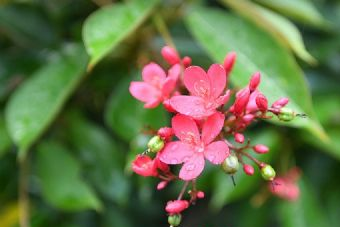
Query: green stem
163	30
24	215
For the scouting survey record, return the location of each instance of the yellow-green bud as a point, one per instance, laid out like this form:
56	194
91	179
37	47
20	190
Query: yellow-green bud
286	114
155	144
268	173
230	165
175	219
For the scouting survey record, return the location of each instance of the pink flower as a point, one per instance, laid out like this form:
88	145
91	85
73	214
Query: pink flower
156	87
176	206
205	92
286	187
145	166
193	147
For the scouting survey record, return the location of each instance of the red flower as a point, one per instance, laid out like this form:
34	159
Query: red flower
176	206
156	87
143	165
193	147
205	89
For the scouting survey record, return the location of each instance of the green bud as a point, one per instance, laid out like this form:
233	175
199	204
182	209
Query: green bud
268	173
175	219
230	164
155	144
286	114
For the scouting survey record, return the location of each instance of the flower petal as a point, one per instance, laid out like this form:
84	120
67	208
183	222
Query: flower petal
216	152
185	128
144	92
218	79
212	127
168	86
192	168
197	81
153	74
175	153
192	106
174	72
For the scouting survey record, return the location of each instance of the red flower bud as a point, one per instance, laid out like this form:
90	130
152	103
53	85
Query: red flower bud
242	99
200	194
229	62
143	165
254	81
248	118
260	148
165	132
176	206
186	61
278	104
261	102
239	138
170	55
161	185
248	169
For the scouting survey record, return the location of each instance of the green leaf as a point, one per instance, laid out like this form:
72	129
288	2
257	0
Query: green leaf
300	10
305	212
108	26
126	116
281	28
59	175
94	145
224	190
36	103
5	140
219	32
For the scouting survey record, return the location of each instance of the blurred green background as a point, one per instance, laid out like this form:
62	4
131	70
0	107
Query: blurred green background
69	127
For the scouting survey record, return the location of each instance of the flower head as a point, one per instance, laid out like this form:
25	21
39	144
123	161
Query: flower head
192	148
205	92
145	166
156	87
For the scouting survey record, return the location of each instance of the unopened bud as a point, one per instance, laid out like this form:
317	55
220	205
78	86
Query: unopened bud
200	194
248	169
161	185
230	165
170	55
176	206
186	61
239	137
165	132
282	102
260	149
175	219
155	144
229	62
268	173
286	114
254	81
261	102
248	118
242	99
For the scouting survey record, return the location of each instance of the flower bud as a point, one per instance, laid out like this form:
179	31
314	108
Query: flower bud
239	137
241	101
229	62
155	144
200	194
175	219
186	61
286	114
176	206
268	173
254	81
248	169
165	132
170	55
248	118
260	149
161	185
282	102
261	102
230	164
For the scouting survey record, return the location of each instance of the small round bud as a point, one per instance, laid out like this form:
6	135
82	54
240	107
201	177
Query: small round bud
165	132
161	185
282	102
230	165
239	137
248	169
254	81
175	219
260	149
268	173
261	102
248	118
155	144
229	62
170	55
186	61
286	114
176	206
200	194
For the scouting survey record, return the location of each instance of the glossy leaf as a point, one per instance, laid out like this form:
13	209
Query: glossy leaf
281	28
224	191
59	175
305	212
219	32
126	116
108	26
300	10
36	103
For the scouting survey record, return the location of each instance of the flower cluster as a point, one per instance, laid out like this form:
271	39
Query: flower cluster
202	126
